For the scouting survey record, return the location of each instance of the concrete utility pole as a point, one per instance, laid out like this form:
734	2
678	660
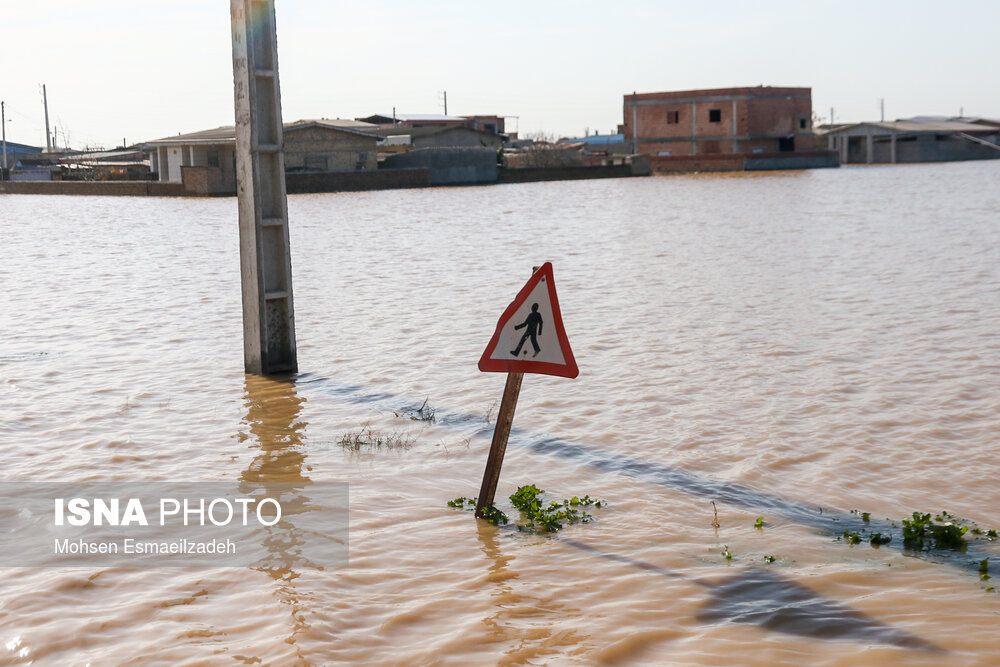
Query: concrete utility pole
265	261
45	104
3	123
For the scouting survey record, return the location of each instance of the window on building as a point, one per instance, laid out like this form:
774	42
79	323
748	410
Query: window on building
786	144
673	117
803	123
213	158
663	152
715	115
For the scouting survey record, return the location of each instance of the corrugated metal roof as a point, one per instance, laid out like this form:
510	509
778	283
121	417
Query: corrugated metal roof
426	131
409	117
227	133
597	139
914	127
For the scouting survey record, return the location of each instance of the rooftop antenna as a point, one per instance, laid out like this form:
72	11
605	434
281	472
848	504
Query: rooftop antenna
881	104
444	95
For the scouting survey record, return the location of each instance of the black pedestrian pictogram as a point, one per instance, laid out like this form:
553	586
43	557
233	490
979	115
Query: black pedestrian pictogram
534	329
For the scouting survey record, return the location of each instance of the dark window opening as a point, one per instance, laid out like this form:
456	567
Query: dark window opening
673	117
802	123
213	158
786	144
715	115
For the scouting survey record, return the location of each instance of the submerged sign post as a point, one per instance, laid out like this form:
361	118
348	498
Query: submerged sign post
529	338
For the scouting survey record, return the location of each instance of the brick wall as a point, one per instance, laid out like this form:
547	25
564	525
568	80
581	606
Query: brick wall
682	122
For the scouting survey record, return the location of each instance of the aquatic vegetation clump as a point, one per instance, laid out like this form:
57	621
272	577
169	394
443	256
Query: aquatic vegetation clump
878	539
366	438
542	517
492	514
425	413
537	516
920	532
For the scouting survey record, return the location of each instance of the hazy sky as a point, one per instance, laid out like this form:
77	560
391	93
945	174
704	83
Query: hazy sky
140	69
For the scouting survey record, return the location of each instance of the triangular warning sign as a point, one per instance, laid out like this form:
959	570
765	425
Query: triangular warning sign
530	337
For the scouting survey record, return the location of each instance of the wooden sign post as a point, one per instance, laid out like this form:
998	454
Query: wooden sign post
505	417
532	314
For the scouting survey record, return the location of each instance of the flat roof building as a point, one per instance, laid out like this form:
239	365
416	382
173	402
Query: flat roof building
763	119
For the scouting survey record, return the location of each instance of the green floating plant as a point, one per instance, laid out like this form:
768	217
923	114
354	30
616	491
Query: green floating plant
921	532
492	515
537	515
878	539
759	523
542	517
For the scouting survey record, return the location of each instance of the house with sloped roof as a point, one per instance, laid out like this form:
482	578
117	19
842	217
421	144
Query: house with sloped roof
440	136
918	139
317	145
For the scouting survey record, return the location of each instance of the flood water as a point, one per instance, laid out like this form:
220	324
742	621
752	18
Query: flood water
789	345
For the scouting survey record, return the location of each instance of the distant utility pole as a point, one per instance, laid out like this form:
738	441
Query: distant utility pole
45	104
445	96
3	123
881	105
831	115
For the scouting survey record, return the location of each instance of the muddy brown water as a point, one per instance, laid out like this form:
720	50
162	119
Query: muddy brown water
790	345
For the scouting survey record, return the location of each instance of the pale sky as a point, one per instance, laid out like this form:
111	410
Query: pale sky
143	69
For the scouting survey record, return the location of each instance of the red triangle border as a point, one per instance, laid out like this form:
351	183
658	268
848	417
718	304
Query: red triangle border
569	369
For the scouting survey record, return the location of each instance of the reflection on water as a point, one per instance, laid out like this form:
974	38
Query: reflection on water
273	408
273	417
510	630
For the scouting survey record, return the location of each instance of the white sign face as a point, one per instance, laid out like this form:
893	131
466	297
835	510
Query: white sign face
530	335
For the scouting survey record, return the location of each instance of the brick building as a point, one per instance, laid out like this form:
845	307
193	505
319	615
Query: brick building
719	121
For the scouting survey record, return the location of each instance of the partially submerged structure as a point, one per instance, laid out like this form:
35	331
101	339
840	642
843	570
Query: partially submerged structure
919	139
206	160
761	127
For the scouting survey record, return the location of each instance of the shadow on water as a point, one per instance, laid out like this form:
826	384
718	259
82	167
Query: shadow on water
674	477
756	596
